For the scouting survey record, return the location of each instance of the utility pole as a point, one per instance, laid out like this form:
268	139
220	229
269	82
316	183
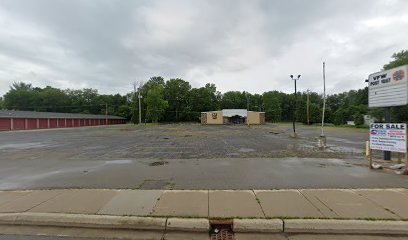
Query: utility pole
247	97
307	108
140	106
106	113
322	136
139	98
294	108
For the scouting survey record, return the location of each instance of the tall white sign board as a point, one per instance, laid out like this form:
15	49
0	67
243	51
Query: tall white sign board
388	88
388	137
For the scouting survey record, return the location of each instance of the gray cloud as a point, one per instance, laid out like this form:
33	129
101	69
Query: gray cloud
238	45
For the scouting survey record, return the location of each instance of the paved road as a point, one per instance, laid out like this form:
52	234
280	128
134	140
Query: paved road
187	157
236	173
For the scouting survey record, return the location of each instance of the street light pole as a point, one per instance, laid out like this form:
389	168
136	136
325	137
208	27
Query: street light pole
140	107
307	107
295	106
322	138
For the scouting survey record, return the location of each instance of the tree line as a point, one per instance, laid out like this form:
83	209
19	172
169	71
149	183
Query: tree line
175	100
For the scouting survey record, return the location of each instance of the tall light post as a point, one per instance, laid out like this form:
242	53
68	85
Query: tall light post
140	106
307	107
294	108
322	138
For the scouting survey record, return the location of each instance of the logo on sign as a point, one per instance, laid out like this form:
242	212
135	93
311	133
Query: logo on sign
398	75
214	116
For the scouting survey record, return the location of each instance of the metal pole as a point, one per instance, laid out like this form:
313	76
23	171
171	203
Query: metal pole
307	108
106	113
324	98
247	97
294	112
140	107
387	116
322	138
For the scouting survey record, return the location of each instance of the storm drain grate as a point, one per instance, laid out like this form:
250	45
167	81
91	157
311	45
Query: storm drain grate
221	230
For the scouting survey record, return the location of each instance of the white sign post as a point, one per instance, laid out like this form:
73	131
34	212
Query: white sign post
388	88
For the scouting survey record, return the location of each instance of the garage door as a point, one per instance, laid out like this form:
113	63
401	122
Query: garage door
53	123
19	123
31	123
76	122
61	122
69	122
4	124
43	123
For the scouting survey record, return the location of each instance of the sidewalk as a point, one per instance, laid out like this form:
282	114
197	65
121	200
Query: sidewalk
157	209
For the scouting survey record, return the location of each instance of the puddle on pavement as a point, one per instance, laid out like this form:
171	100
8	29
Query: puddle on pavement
245	150
122	161
22	146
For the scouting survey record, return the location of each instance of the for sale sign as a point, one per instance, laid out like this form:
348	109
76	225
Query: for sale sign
388	137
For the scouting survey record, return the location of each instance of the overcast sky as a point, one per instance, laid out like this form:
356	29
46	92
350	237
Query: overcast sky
238	45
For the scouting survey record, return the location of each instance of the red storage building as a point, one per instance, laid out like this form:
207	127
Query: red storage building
20	120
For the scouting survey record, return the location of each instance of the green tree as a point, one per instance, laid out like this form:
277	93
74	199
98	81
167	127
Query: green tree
21	96
204	99
399	59
235	100
52	100
358	119
177	93
156	105
272	106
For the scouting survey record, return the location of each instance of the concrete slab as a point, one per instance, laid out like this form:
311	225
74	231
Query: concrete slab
229	204
182	204
394	201
28	201
286	203
404	191
87	201
348	204
6	196
132	202
327	212
259	236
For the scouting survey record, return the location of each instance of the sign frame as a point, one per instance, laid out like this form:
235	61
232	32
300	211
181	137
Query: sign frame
388	88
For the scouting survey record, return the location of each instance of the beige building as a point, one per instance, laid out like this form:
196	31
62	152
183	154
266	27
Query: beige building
232	116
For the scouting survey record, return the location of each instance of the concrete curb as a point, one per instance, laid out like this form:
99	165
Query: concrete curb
258	225
83	220
188	224
203	225
345	226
